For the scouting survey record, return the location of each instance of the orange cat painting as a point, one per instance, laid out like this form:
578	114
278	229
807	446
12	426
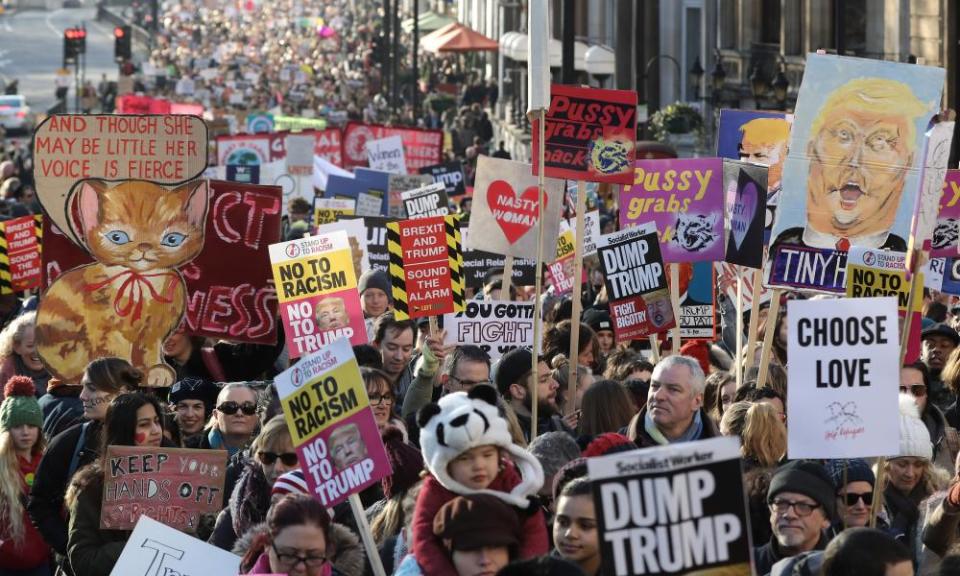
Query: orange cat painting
128	301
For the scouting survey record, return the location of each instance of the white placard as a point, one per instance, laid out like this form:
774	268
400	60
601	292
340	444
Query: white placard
429	200
356	235
844	378
155	549
386	154
496	326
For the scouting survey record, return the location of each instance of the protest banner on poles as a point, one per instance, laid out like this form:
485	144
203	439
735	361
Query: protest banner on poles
430	200
327	145
155	549
946	234
426	266
20	260
829	200
175	486
386	154
496	326
223	300
677	509
684	198
590	134
397	184
420	147
561	271
317	290
477	263
844	355
327	210
745	201
243	150
873	273
331	425
938	140
636	282
450	174
503	217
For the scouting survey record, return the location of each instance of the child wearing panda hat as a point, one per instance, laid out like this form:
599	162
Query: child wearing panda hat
468	450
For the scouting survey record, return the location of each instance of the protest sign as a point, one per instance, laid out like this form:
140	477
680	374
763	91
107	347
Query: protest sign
357	236
477	263
376	235
745	202
684	198
591	227
450	174
933	271
20	266
259	123
636	283
244	150
833	196
937	153
420	147
430	200
951	277
677	509
697	301
223	300
175	486
386	154
69	148
155	549
242	174
332	427
327	210
759	138
503	218
372	193
842	396
297	123
726	280
317	290
327	145
496	326
589	134
299	154
397	185
560	272
946	235
426	265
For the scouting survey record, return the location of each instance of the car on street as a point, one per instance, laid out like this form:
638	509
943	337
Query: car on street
15	114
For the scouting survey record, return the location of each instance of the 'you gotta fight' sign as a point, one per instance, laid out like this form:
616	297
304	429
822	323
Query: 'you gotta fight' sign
677	509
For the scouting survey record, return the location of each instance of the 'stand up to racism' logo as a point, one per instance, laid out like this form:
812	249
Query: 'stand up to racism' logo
297	377
292	250
869	258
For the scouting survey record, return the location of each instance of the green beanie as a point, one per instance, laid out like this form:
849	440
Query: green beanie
20	405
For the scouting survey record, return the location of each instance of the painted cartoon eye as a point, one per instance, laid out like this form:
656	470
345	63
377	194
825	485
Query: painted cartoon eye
173	239
118	237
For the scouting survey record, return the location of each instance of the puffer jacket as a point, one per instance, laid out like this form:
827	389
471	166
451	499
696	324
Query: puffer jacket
348	557
247	507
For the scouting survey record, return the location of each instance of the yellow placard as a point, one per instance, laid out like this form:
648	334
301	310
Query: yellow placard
314	275
324	401
865	282
565	244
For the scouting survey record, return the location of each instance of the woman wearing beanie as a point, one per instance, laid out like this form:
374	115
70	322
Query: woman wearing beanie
103	380
375	297
910	478
22	550
854	481
480	533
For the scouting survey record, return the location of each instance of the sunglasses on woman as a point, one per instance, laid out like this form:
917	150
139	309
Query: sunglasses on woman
852	498
269	458
230	408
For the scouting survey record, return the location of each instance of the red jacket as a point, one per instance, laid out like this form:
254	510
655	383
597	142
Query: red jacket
33	552
432	555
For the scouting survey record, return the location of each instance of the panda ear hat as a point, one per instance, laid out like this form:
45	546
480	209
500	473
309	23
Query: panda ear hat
461	421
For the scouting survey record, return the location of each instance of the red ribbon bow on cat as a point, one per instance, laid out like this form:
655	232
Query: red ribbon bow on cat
134	286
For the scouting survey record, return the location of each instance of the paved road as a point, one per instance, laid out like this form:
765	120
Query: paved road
31	50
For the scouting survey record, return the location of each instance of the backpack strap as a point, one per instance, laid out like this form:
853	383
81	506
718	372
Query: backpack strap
212	363
77	450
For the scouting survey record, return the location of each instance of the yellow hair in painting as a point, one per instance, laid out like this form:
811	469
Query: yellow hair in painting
875	96
765	132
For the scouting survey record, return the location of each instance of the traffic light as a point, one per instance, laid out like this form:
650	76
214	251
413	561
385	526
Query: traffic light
121	43
74	44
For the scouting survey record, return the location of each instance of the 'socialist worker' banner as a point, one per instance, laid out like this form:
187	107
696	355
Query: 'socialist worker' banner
317	290
636	283
332	427
677	509
854	168
589	134
496	326
844	358
171	485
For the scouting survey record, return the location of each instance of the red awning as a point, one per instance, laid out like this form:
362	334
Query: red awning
459	39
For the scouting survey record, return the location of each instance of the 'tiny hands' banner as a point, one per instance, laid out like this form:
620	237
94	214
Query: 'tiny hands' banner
590	134
677	509
327	410
317	288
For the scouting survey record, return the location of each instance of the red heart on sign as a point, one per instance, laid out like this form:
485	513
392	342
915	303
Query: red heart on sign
516	215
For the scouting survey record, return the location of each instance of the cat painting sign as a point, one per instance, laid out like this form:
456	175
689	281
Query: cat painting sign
69	148
317	290
589	134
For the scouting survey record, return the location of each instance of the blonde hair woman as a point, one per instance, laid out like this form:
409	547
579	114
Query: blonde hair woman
18	354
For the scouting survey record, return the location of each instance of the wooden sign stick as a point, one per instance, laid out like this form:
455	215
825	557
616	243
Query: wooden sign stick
654	348
738	356
360	516
675	302
507	279
434	329
577	301
754	319
771	327
537	302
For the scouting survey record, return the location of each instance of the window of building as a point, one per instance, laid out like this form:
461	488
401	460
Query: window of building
770	22
853	27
